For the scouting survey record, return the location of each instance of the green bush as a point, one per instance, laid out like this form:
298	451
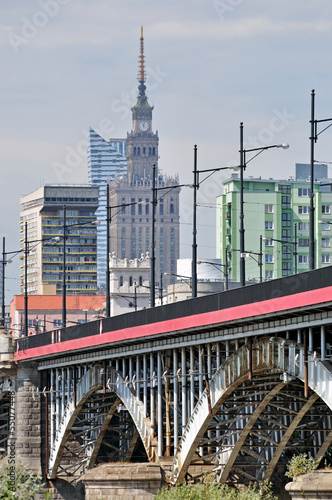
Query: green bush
214	491
301	464
17	483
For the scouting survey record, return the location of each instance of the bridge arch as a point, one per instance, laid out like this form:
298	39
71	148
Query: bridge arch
226	429
100	393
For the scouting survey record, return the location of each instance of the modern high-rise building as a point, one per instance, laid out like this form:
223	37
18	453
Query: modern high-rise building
43	216
106	159
277	211
131	227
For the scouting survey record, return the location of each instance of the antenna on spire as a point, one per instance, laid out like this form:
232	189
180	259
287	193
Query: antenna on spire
141	76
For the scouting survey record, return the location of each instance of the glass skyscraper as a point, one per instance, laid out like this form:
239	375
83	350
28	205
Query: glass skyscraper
106	161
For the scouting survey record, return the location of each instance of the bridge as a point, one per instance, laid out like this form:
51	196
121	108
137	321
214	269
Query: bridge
233	384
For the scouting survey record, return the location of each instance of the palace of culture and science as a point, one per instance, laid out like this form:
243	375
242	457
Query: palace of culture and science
131	226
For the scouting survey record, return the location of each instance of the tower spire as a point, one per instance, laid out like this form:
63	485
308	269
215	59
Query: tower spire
141	74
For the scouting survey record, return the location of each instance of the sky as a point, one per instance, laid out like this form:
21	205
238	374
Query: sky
68	65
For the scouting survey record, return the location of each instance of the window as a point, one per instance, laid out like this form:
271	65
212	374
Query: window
269	242
286	202
285	188
139	206
325	209
286	268
268	225
325	258
303	209
147	206
133	206
121	281
269	275
303	226
303	259
269	258
57	323
325	242
286	252
326	227
269	209
161	207
140	281
303	242
130	281
286	235
304	191
286	219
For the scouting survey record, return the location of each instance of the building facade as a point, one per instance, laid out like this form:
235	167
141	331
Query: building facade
131	226
42	229
106	159
276	223
129	284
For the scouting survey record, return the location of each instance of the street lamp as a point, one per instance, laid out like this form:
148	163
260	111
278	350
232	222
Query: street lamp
4	262
196	185
243	165
284	242
153	245
108	244
313	138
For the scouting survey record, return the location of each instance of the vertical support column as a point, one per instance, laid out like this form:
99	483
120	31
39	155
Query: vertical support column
311	340
322	342
184	388
160	407
63	404
137	377
209	363
227	349
299	336
57	399
152	404
27	408
52	407
175	401
192	380
218	362
145	385
200	368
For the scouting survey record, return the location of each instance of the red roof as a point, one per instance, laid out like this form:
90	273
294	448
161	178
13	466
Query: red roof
54	302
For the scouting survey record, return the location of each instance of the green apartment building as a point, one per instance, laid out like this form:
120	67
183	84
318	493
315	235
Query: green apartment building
274	210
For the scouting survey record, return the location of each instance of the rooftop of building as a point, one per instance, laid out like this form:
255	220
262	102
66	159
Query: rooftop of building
54	302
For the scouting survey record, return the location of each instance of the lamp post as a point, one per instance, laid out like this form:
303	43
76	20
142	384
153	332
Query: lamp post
4	262
153	258
153	230
26	251
108	245
196	185
284	242
313	139
64	284
243	165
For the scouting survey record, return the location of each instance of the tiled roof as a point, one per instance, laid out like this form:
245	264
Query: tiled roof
54	302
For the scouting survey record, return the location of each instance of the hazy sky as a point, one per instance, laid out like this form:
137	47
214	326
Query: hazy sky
71	64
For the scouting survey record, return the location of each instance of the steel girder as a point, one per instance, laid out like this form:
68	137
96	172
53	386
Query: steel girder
102	411
252	417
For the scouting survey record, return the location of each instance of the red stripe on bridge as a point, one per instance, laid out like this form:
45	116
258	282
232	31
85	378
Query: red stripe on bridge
269	306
